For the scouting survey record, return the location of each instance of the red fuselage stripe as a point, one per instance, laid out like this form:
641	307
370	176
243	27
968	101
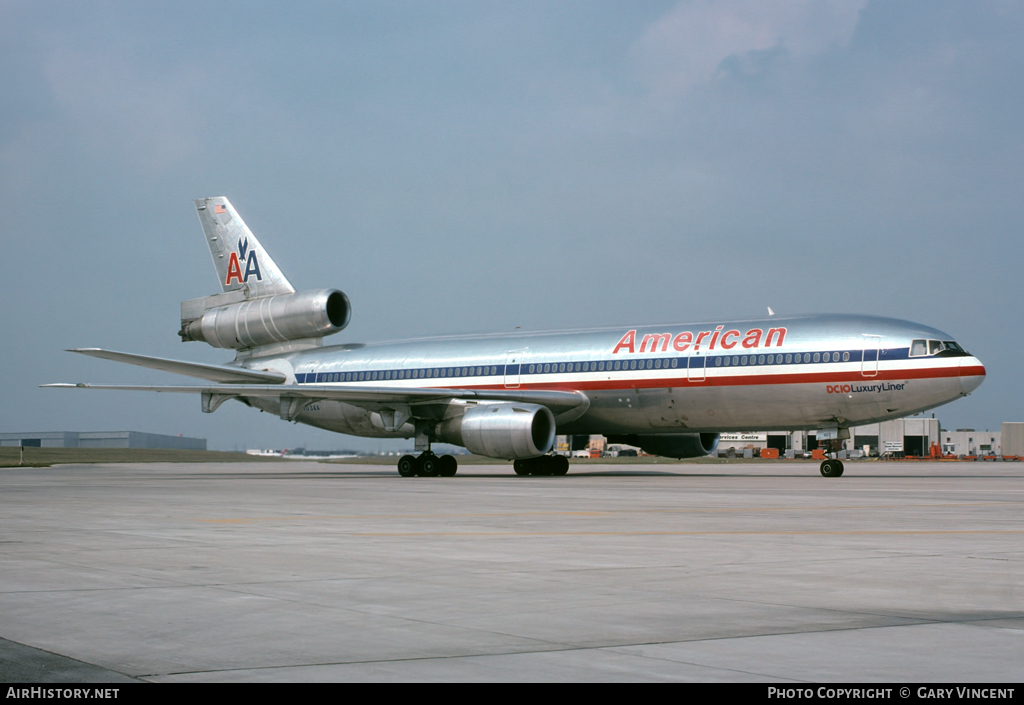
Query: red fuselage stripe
745	380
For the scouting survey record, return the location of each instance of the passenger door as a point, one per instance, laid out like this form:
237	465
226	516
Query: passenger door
696	366
512	364
869	361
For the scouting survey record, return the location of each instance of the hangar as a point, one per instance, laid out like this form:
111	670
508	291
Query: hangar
100	439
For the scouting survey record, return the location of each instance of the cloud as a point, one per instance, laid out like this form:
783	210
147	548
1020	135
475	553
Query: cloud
687	47
148	112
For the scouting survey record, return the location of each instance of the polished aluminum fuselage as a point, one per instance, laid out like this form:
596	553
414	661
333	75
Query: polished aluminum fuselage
794	373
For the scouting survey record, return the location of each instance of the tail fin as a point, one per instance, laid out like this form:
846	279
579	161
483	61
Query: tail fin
242	263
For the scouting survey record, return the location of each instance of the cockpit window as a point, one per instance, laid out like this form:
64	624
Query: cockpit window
943	348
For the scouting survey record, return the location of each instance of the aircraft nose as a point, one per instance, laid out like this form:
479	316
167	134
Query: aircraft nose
972	374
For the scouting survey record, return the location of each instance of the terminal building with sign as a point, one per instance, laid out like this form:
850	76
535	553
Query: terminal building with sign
918	436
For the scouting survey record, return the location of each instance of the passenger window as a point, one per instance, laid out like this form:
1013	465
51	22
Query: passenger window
846	357
817	357
675	362
618	364
807	357
918	348
632	364
760	359
718	361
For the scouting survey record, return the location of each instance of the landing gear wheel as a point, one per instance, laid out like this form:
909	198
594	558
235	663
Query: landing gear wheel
831	468
559	465
449	466
430	465
522	467
407	466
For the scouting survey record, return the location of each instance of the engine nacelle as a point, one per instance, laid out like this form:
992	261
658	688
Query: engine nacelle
672	445
271	319
502	430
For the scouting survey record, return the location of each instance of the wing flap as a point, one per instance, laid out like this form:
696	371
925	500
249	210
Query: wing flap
375	398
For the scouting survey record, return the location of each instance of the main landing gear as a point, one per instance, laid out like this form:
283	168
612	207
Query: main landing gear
428	465
544	465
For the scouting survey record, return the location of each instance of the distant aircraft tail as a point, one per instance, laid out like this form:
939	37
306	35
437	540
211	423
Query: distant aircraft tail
241	262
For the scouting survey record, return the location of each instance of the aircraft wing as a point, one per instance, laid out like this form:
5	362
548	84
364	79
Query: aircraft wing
565	405
214	373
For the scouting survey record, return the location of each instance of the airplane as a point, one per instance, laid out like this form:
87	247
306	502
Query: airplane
667	389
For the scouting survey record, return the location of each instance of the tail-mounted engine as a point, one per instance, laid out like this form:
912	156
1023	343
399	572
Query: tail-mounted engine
229	320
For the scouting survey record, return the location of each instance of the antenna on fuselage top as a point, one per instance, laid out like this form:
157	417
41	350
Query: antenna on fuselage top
770	312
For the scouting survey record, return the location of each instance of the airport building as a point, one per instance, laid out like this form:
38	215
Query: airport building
914	436
918	436
101	439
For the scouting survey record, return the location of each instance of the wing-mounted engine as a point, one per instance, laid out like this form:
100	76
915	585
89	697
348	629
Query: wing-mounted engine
672	445
229	320
502	430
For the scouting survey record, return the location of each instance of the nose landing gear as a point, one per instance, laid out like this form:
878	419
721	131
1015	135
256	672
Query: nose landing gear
832	466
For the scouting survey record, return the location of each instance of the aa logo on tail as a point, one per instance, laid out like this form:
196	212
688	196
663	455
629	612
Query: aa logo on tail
252	265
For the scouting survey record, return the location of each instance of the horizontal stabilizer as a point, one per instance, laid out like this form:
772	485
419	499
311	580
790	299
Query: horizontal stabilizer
214	373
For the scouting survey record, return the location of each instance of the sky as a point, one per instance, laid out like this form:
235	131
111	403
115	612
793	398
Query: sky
459	167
